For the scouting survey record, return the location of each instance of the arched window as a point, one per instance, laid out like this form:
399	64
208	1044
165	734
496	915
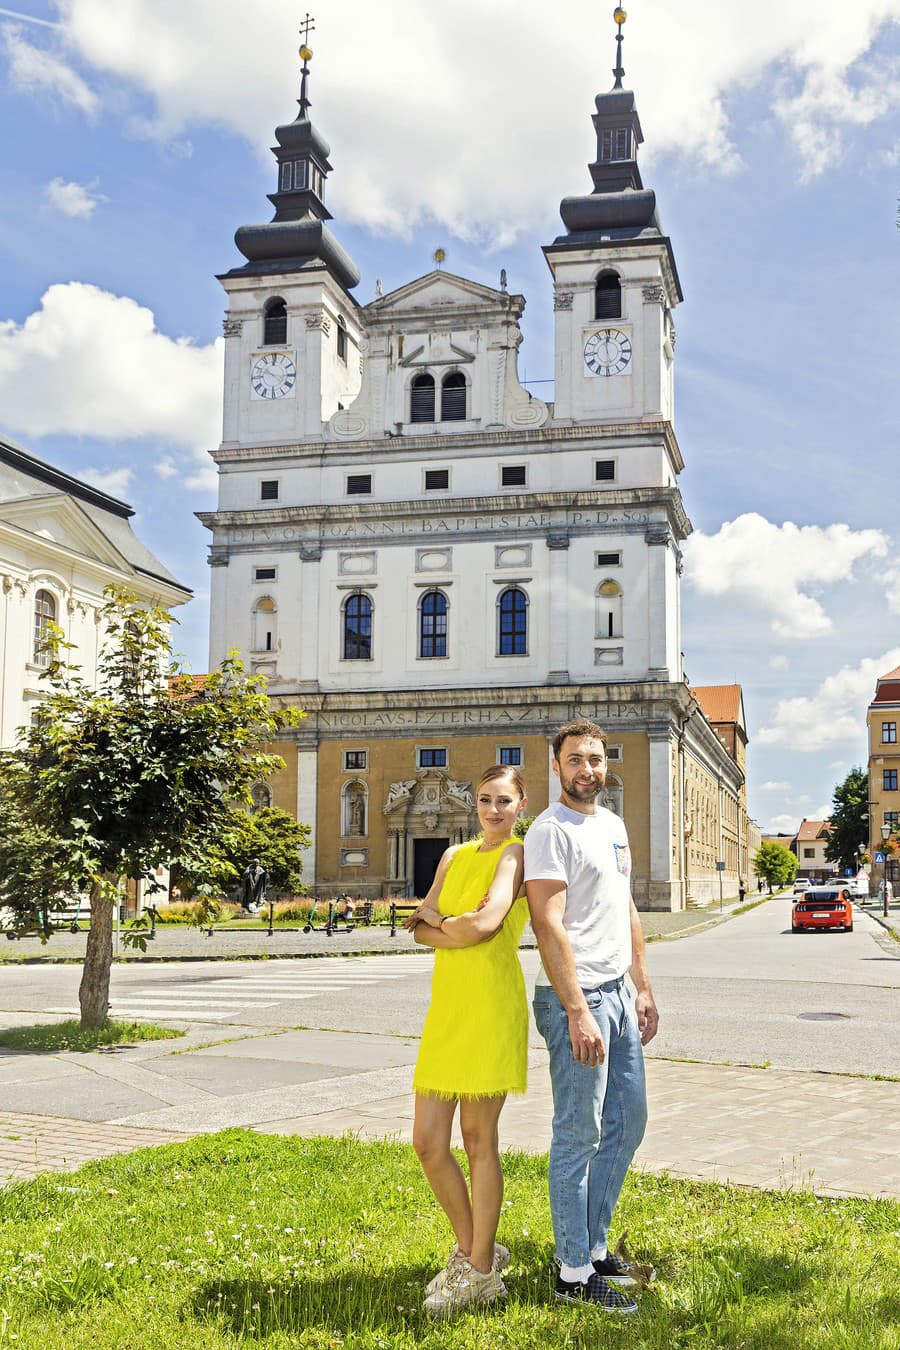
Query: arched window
421	402
513	612
265	621
609	610
275	323
358	627
341	340
44	616
262	797
608	296
433	624
354	803
453	397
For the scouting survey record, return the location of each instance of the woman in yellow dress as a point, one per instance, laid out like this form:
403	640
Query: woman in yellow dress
474	1046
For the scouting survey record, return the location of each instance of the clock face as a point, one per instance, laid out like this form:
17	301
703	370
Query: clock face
273	375
607	352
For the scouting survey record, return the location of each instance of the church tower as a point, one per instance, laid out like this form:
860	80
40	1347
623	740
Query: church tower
615	281
292	329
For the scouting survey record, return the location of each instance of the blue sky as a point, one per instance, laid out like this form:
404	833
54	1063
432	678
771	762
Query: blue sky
136	140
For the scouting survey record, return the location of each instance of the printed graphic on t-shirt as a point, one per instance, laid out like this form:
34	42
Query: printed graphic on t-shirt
623	859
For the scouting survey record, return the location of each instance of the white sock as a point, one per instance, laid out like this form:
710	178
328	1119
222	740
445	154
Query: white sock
575	1274
599	1254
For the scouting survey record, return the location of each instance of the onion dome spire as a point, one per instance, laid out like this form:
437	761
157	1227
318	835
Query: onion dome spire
297	236
619	207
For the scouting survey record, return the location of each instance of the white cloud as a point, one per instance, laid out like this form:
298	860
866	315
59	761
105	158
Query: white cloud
167	468
782	825
412	95
78	200
834	712
203	480
89	363
779	568
114	481
891	581
774	787
37	71
829	103
779	663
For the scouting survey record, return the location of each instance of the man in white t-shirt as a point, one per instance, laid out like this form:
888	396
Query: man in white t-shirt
577	875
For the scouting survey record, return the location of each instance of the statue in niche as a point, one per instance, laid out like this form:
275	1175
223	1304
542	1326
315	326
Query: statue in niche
356	810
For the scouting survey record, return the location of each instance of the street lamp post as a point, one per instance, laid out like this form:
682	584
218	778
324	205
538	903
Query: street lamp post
885	836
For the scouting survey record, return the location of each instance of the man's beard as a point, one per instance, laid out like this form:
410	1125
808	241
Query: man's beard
587	792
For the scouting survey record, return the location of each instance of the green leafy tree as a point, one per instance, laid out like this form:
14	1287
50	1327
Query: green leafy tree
776	864
140	771
849	819
271	835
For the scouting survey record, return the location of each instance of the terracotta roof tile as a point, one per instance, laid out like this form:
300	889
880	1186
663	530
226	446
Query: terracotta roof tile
719	702
813	829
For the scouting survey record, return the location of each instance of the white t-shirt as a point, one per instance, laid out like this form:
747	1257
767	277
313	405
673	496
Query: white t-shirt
590	856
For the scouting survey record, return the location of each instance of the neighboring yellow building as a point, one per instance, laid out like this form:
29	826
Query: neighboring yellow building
882	719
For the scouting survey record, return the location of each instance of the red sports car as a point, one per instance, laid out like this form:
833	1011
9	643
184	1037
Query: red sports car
823	907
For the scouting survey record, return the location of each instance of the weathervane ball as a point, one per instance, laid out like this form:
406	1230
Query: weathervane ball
439	255
305	53
619	15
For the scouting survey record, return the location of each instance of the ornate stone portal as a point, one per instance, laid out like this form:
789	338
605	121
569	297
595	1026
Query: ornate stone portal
430	807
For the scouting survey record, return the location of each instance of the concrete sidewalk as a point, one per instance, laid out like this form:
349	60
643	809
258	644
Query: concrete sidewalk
756	1127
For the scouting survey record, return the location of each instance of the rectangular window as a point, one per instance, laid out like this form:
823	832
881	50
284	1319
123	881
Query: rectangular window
892	818
286	177
607	560
889	733
356	759
512	475
432	759
809	853
889	780
614	144
614	754
437	480
358	484
510	754
299	175
264	574
268	490
604	470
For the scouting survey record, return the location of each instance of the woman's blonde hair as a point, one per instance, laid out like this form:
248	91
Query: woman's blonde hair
504	771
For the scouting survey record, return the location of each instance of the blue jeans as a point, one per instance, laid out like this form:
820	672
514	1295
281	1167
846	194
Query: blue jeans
599	1117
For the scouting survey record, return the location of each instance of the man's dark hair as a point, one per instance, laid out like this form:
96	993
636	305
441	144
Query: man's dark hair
578	729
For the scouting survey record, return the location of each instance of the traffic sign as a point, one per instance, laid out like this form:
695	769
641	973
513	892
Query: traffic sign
879	857
848	871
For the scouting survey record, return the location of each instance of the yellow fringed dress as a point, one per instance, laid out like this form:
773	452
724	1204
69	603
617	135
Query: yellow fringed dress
475	1039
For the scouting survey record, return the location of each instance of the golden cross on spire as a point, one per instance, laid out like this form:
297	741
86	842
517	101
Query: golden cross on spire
306	28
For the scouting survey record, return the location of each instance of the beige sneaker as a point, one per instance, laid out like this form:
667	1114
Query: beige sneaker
501	1261
463	1287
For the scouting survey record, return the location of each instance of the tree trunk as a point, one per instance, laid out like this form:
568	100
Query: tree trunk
93	993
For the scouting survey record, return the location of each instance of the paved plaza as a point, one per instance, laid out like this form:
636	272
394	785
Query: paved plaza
752	1125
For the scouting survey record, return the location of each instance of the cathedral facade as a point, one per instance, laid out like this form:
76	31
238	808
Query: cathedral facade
441	568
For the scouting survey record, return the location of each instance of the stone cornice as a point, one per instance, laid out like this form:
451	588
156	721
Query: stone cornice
609	502
554	436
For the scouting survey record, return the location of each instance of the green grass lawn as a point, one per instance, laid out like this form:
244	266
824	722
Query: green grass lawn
241	1240
53	1037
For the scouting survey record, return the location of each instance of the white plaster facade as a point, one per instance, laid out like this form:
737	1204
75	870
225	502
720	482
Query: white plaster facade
61	543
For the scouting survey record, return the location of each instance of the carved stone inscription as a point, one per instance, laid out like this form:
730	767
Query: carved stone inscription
444	526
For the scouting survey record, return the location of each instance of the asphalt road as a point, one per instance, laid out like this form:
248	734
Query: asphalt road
746	992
